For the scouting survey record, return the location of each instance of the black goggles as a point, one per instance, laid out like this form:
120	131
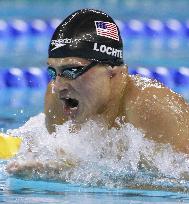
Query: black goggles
70	72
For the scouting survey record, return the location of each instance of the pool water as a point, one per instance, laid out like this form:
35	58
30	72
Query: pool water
162	178
18	105
20	191
99	176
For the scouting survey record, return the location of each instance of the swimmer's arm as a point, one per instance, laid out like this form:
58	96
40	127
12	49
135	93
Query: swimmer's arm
33	168
53	109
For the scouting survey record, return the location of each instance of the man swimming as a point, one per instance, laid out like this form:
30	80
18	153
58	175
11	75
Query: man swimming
91	81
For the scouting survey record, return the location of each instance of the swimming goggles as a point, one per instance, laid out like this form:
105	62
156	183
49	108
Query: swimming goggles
70	72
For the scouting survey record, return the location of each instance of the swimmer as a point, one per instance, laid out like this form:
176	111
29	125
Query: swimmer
91	81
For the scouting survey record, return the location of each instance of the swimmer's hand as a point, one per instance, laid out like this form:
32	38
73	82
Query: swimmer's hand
35	169
23	169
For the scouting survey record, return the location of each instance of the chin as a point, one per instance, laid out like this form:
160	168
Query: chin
81	117
84	114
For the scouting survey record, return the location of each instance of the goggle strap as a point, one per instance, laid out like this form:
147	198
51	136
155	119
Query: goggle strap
86	68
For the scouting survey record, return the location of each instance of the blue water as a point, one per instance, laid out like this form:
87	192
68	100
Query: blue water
45	192
148	52
22	191
19	105
120	9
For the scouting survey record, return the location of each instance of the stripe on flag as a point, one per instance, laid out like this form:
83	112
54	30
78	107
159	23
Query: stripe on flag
107	29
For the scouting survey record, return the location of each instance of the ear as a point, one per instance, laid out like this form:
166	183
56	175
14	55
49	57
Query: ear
118	70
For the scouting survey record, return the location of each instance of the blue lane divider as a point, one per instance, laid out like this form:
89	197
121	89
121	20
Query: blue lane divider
32	77
133	27
18	27
38	26
181	77
14	77
35	77
2	82
164	75
142	71
155	27
187	27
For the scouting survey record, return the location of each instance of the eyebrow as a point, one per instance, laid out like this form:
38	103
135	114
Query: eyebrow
69	65
66	65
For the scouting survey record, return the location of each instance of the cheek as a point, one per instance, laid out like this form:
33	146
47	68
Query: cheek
94	86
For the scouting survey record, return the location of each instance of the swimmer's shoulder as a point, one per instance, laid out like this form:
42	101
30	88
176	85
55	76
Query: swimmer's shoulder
152	90
141	88
143	83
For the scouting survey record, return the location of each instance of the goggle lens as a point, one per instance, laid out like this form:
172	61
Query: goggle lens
51	73
70	72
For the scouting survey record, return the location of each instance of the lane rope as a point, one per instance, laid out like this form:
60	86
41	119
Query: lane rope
133	27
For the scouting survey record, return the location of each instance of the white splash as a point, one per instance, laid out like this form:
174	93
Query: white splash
144	82
113	157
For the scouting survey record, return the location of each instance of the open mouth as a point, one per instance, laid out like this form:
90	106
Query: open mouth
71	106
71	102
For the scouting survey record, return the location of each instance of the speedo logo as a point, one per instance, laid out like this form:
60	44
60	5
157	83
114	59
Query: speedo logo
108	50
60	43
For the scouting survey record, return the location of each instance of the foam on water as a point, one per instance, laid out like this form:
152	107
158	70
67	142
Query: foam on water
98	156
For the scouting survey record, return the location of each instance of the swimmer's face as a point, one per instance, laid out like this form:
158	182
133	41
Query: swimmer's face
84	96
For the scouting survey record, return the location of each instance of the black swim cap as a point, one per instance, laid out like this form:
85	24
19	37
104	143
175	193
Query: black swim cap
89	34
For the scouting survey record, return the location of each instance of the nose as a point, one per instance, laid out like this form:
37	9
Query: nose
61	85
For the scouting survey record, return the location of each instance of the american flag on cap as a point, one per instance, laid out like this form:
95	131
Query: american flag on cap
107	29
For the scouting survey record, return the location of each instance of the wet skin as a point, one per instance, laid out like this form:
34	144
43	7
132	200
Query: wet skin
105	93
